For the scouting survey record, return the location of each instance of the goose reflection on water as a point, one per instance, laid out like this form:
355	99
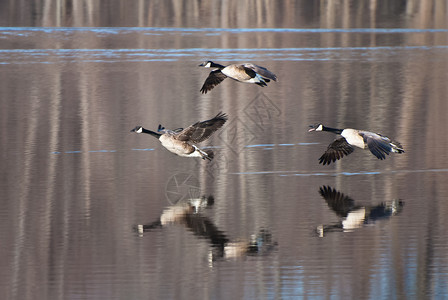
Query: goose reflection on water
188	213
354	216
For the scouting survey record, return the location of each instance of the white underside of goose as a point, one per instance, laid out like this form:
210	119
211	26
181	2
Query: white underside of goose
353	138
354	219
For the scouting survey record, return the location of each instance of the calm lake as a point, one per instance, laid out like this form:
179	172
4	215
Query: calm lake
88	206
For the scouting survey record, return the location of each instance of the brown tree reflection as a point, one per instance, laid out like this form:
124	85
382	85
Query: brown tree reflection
233	13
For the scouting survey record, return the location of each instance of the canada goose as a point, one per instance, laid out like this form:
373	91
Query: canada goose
177	213
378	144
247	73
188	213
182	141
354	216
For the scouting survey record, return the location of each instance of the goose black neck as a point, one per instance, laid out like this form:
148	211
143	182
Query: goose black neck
157	135
334	130
215	65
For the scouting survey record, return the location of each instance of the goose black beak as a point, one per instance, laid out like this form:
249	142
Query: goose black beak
312	128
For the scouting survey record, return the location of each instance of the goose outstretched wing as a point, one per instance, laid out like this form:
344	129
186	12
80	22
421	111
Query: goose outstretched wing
262	71
378	144
335	151
214	78
200	131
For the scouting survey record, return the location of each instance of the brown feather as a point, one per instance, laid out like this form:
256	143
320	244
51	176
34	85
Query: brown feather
335	151
200	131
213	79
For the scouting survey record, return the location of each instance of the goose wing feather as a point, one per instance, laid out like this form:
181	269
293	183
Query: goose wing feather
262	71
378	144
214	78
200	131
163	130
178	130
335	151
337	201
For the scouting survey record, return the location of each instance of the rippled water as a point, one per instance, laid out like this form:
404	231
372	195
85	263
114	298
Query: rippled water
91	210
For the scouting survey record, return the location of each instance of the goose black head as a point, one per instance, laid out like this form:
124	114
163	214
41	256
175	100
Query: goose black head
316	127
137	129
207	64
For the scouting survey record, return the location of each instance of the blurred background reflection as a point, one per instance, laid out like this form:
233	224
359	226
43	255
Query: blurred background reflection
77	75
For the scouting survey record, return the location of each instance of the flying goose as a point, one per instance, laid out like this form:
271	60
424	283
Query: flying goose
247	73
182	141
378	144
354	216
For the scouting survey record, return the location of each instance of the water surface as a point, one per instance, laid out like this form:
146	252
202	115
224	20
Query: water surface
76	184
